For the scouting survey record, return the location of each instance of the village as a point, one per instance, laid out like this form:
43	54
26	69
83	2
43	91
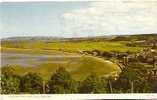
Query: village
146	59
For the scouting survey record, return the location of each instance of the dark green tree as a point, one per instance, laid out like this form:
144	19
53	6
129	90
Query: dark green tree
127	79
9	81
61	82
8	70
92	84
154	86
31	83
133	78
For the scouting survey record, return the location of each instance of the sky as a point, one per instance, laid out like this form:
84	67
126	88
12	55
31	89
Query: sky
78	19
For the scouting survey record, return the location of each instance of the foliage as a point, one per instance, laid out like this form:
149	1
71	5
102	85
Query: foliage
9	81
8	70
154	86
31	83
131	75
92	84
61	82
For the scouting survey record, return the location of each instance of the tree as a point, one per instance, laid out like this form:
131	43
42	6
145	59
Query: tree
61	82
127	77
9	81
144	87
8	70
92	84
133	78
154	86
31	83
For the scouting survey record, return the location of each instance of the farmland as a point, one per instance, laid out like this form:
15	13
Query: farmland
73	46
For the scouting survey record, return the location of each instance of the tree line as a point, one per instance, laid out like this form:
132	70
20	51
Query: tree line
61	82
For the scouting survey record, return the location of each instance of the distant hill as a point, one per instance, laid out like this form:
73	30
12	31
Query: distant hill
96	38
135	37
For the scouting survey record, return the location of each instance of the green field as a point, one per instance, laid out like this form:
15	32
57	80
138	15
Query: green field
73	46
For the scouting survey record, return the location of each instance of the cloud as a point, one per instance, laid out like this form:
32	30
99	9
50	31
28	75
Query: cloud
118	17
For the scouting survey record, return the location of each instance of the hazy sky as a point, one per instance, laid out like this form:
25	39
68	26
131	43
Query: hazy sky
70	19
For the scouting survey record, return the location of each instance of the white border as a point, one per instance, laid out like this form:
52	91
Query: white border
152	96
80	96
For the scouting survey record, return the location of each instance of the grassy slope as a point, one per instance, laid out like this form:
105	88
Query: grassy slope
89	64
79	69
